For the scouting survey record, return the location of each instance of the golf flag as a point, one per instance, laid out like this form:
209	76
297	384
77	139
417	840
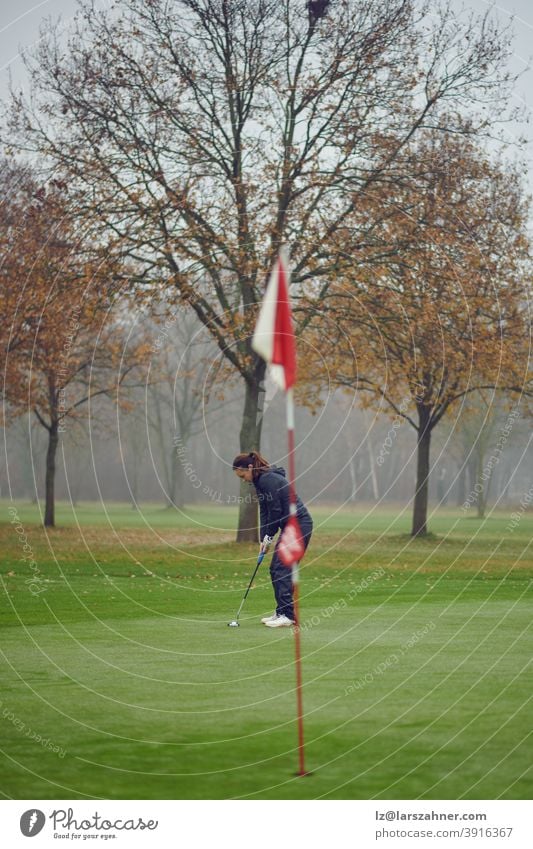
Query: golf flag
291	547
273	339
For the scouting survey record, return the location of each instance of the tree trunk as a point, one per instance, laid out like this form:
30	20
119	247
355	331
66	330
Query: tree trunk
175	496
372	463
480	494
134	487
420	509
483	495
49	509
472	480
461	484
250	440
353	479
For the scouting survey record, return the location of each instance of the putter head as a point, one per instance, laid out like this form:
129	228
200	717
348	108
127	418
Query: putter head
233	624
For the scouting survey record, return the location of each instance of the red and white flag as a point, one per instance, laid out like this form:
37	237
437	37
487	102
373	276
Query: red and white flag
273	339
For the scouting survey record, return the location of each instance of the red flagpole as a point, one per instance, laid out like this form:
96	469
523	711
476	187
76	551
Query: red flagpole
274	341
296	587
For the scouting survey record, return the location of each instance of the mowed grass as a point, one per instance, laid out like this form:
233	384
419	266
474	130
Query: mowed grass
121	679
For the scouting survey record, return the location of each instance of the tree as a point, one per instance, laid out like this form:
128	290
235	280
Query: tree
445	315
68	342
487	428
186	372
204	133
20	305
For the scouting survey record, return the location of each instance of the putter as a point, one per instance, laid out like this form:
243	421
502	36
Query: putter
235	622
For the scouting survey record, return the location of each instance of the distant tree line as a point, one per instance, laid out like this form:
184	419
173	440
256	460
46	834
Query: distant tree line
180	144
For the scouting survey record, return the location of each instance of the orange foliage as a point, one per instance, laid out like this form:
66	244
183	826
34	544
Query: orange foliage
60	330
436	306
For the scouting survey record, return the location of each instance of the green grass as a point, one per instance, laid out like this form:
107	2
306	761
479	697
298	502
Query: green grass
417	659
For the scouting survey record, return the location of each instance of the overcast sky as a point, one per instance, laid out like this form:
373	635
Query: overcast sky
20	19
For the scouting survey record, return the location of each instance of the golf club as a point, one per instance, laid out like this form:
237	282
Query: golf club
235	622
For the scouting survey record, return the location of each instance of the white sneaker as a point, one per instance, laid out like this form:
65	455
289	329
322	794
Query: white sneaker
279	622
266	619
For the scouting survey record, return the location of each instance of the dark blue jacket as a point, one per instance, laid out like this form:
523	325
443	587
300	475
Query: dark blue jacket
272	489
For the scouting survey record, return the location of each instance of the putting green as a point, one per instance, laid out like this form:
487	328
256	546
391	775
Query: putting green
121	679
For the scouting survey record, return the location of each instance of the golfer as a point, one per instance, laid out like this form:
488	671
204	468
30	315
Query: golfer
272	488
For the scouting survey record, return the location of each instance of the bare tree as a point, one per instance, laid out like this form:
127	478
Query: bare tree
488	427
204	133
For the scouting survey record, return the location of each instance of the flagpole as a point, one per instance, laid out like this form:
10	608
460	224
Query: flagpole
274	341
296	586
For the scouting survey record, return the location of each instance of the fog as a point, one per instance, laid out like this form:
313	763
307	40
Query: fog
171	441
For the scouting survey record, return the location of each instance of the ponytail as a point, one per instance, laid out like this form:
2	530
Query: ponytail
254	459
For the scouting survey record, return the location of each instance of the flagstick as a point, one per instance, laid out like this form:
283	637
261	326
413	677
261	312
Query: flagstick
296	585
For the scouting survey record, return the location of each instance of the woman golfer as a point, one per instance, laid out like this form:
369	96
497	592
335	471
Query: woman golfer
272	488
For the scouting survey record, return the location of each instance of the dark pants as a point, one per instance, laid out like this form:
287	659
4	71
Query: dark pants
281	576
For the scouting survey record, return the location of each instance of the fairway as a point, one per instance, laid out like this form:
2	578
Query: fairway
121	679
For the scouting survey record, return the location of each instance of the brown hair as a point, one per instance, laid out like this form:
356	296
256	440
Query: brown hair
254	459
